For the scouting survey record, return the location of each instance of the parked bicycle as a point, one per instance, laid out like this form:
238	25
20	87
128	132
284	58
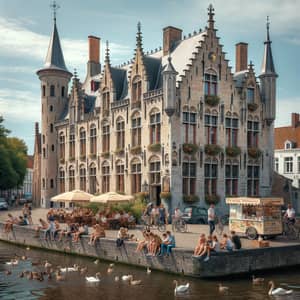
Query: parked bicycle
290	230
179	225
147	224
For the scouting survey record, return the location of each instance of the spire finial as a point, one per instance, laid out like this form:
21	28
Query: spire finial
107	59
139	35
54	6
211	15
75	73
268	28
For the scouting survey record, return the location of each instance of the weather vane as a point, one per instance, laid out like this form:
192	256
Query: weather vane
54	7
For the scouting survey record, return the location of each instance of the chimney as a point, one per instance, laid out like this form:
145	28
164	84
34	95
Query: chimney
241	57
93	65
171	36
295	120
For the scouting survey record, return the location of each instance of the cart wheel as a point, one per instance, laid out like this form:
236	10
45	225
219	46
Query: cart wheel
251	233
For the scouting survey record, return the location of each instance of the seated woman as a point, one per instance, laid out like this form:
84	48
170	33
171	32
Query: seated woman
57	229
226	243
71	228
206	250
82	230
142	243
9	223
98	232
43	226
122	236
200	245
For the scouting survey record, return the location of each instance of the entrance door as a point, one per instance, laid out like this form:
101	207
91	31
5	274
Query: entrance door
155	194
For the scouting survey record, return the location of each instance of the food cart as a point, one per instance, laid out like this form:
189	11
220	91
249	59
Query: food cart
255	216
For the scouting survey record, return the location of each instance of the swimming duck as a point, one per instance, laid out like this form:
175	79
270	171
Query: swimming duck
257	280
126	277
110	270
148	271
223	289
68	269
96	262
134	282
179	289
278	291
93	279
117	278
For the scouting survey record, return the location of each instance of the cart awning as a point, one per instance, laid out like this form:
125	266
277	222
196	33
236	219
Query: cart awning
254	201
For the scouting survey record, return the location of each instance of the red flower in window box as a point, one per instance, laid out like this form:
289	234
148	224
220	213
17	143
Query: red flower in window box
252	106
254	152
212	149
189	148
212	199
233	151
212	100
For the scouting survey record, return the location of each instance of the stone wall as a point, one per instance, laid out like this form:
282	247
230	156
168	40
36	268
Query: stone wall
180	262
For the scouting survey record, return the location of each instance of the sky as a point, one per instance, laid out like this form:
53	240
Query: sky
26	26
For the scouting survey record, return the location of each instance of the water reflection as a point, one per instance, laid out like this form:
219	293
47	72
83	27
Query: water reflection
157	285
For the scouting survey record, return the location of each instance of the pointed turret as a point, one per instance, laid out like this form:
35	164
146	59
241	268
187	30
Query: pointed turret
211	16
268	64
107	57
139	38
268	81
169	87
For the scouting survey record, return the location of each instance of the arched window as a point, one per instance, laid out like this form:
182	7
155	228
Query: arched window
61	180
154	170
72	146
105	177
120	129
105	103
211	177
232	128
44	152
210	83
61	146
211	127
44	183
51	127
189	174
252	134
71	178
82	142
105	138
189	124
136	89
93	140
52	147
93	179
136	176
62	91
51	107
82	178
250	94
231	178
51	183
43	139
44	90
154	127
136	130
120	176
252	179
52	90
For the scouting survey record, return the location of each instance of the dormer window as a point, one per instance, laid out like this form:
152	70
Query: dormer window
136	89
210	83
250	95
288	145
105	103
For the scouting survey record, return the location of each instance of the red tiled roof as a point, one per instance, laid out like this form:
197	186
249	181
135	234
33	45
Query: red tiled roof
29	161
282	134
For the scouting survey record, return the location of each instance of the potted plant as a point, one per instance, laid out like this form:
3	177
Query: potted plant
212	100
154	147
212	149
136	150
190	198
189	148
212	199
254	152
233	151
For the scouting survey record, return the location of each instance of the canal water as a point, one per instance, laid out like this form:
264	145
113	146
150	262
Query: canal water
157	285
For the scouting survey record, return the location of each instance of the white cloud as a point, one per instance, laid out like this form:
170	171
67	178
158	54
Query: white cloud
19	105
284	109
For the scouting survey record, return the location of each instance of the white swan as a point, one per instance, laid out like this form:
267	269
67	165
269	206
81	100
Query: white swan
13	262
69	269
278	291
93	279
117	278
179	289
126	277
134	282
148	271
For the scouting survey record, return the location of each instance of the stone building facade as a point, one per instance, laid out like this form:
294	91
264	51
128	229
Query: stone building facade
174	122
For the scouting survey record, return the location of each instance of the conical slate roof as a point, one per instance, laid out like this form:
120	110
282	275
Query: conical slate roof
55	57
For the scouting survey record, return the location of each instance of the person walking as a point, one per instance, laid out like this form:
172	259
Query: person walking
211	218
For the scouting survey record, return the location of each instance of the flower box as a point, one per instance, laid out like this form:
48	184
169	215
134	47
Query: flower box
190	198
141	196
254	152
252	106
190	148
62	161
82	157
212	199
136	150
166	195
71	158
212	100
154	147
233	151
119	151
105	154
212	149
93	156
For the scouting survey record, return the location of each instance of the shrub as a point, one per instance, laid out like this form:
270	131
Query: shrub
190	198
154	147
212	149
166	195
252	106
212	100
141	196
254	152
189	148
136	150
233	151
212	199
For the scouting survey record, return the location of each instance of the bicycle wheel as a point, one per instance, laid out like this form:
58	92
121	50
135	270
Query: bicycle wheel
292	232
161	227
182	226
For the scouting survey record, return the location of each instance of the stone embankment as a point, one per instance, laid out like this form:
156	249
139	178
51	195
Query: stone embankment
180	262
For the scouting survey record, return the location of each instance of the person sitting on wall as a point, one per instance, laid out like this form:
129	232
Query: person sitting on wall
97	233
43	226
226	243
236	240
57	229
82	230
71	228
22	221
166	248
122	236
10	222
154	245
200	245
143	243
